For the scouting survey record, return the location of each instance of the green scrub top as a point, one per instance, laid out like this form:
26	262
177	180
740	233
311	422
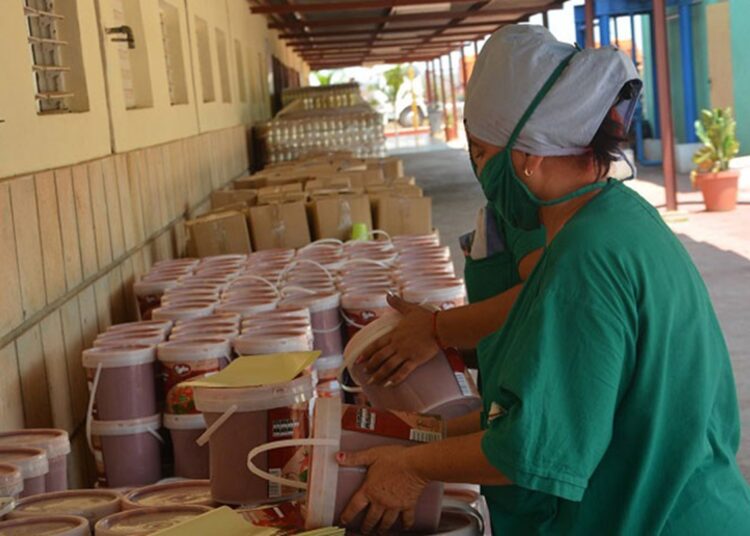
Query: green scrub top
609	399
493	275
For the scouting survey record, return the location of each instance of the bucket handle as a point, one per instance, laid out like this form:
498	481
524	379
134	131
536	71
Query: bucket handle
90	406
285	443
323	242
292	288
363	260
205	436
293	264
465	508
380	232
263	280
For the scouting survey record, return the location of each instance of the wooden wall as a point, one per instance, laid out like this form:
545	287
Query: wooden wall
72	241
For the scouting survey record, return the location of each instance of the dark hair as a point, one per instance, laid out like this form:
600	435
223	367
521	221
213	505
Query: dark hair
606	142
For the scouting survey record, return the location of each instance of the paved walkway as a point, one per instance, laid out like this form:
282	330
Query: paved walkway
718	242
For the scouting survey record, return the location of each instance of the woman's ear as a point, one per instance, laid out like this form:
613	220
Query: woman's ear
531	164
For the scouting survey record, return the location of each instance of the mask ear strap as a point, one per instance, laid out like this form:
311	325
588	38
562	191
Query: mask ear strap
538	99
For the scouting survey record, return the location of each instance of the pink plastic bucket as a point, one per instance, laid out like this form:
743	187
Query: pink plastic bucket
121	380
177	493
182	360
190	459
240	419
46	526
361	307
144	521
56	445
351	428
91	504
325	319
11	481
32	464
441	386
127	452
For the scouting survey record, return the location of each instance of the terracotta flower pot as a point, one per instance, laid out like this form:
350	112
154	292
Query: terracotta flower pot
719	189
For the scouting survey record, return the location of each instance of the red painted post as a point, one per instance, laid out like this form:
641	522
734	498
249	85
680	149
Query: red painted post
589	12
454	126
442	99
665	102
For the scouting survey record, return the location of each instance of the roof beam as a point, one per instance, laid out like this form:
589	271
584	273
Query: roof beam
511	14
465	36
368	31
321	7
380	44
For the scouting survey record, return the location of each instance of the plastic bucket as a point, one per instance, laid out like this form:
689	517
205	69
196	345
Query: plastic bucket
441	386
239	420
273	343
127	452
190	459
46	526
144	521
330	487
56	445
177	493
130	337
325	319
165	326
92	504
121	381
148	294
221	319
181	360
197	334
11	481
32	464
247	307
361	307
183	311
282	312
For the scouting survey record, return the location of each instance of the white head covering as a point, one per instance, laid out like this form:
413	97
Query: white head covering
513	66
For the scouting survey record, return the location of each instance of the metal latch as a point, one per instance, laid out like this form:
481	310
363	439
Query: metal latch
125	30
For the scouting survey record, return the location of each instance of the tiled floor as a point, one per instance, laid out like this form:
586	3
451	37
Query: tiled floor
718	242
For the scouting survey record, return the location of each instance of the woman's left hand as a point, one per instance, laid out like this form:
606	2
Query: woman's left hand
391	488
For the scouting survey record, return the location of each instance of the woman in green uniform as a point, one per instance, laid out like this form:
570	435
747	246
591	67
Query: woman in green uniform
609	405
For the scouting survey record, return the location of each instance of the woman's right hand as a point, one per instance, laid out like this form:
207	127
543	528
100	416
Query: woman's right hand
393	357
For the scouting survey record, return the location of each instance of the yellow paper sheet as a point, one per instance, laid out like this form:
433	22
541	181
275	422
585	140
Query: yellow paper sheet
252	371
220	522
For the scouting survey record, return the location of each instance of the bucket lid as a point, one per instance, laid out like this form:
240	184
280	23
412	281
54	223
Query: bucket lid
324	471
124	355
219	400
207	320
32	462
46	526
315	302
226	334
177	493
247	307
226	257
193	350
130	338
283	311
126	427
187	421
11	481
281	342
92	504
434	292
182	311
375	298
54	441
147	520
163	325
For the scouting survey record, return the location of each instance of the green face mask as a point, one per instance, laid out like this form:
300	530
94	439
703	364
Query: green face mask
510	197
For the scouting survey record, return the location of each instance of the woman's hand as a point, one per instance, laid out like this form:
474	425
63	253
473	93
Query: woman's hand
391	488
391	359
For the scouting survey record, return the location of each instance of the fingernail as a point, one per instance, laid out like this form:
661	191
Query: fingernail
389	383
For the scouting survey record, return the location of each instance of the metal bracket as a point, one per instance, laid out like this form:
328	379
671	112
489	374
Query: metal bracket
122	30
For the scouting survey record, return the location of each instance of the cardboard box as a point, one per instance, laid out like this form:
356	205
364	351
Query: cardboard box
333	216
279	225
404	215
219	233
362	179
329	183
392	167
282	197
251	182
222	198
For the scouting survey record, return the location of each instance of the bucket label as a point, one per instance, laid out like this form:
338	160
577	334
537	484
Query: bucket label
465	384
292	463
286	516
396	424
179	397
358	318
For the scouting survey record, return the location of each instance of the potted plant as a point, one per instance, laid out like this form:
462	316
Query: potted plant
717	130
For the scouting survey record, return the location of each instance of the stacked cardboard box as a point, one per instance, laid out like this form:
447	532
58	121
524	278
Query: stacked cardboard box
322	196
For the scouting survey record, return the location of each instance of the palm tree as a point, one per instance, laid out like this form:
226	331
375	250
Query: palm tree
394	79
325	78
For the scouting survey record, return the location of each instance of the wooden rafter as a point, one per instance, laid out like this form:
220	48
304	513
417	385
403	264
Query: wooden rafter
323	7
